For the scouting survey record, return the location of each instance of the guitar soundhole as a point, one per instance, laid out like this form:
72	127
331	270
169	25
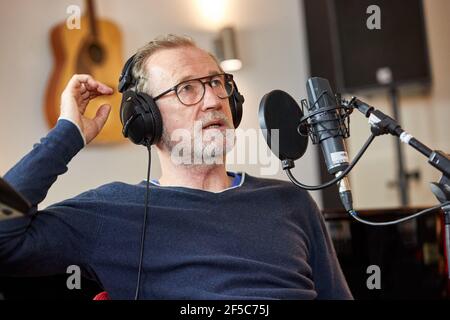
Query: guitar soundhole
96	53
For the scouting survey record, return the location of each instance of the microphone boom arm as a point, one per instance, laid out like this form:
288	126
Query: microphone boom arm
382	124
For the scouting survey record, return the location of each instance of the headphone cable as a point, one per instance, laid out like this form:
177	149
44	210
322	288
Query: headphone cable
144	223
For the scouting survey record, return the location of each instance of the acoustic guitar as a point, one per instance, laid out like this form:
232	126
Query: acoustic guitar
96	49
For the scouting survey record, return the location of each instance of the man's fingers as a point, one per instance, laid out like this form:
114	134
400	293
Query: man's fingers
102	115
97	87
104	89
83	82
75	98
85	95
78	80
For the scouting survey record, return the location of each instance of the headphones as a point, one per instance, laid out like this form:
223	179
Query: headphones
140	116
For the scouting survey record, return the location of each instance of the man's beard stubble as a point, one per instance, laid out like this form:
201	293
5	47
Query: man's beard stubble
206	147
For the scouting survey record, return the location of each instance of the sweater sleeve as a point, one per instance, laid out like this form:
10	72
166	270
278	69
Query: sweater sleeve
329	279
34	174
48	241
51	240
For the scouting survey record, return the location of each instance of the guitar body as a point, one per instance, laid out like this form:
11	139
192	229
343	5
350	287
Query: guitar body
77	51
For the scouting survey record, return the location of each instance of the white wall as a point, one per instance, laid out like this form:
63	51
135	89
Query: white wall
270	39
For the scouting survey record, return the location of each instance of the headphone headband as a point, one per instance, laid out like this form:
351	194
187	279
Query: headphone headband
126	78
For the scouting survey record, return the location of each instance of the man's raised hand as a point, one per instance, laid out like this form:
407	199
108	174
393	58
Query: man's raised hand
75	98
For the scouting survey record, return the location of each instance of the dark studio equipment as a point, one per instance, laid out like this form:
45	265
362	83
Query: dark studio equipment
357	59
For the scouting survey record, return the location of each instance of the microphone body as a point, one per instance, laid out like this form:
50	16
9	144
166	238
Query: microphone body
326	124
327	128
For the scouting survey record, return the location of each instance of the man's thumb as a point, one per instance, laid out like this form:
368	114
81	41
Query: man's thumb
102	115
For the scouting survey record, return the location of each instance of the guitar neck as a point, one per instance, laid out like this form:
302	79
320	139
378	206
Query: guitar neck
90	11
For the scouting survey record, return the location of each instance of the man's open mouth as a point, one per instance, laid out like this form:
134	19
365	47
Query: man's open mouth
214	124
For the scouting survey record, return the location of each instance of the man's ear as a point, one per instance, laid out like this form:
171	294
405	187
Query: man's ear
159	146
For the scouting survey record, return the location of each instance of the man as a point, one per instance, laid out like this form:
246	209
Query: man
211	234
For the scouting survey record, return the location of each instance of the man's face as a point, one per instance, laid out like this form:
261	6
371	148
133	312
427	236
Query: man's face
169	67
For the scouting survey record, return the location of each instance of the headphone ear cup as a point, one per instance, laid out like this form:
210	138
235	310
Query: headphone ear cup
127	106
236	102
135	122
130	112
154	127
140	117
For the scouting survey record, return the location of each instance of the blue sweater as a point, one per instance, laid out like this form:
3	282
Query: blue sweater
264	239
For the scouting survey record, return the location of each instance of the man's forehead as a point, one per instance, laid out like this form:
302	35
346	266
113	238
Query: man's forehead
181	64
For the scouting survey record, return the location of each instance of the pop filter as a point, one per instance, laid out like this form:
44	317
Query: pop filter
278	110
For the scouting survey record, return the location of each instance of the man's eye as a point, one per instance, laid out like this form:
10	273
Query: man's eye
216	83
186	88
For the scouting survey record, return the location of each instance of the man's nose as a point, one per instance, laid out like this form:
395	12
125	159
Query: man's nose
210	99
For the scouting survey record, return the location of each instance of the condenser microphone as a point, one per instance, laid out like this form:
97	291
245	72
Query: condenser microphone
326	124
286	129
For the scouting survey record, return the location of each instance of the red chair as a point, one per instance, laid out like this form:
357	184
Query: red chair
102	296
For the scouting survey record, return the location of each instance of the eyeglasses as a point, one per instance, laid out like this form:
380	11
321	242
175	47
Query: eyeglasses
192	91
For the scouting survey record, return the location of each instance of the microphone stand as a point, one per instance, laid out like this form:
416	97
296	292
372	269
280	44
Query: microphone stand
383	124
402	176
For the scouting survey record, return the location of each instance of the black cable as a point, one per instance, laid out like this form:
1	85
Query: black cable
354	214
338	178
144	224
